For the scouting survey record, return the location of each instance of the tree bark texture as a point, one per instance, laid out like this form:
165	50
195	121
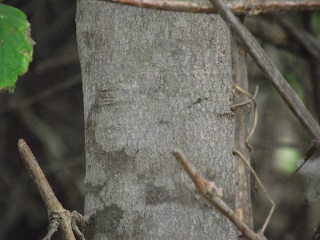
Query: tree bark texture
241	116
154	80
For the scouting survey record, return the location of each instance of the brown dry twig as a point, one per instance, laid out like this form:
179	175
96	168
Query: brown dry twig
58	216
255	111
213	194
242	157
273	206
252	8
243	206
270	70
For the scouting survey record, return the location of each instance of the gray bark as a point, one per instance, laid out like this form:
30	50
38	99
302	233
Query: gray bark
154	80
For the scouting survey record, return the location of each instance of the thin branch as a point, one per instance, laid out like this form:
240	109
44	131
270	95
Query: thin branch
314	147
271	72
243	204
241	8
45	190
255	113
53	227
312	47
58	216
273	206
209	191
306	45
241	149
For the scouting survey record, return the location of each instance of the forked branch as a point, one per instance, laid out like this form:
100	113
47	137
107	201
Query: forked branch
270	70
58	216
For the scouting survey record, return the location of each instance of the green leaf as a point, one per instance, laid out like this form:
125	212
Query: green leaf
315	21
15	46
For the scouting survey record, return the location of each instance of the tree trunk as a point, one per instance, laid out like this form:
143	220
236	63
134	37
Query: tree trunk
154	80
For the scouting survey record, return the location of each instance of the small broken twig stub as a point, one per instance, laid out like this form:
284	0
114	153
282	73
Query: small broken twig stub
59	218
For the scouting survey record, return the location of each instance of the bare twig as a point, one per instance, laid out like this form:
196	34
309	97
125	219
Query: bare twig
307	46
252	8
243	206
58	216
55	148
314	147
244	151
209	191
54	224
273	206
46	192
79	220
255	113
269	69
312	47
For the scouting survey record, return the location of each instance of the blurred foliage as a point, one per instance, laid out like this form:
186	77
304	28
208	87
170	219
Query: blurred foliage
294	80
285	159
293	72
315	21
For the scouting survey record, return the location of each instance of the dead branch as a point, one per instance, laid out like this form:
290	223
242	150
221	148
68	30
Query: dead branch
273	206
239	8
243	205
58	216
270	70
213	194
255	112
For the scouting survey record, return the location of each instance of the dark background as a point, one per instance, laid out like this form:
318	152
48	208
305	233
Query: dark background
46	110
